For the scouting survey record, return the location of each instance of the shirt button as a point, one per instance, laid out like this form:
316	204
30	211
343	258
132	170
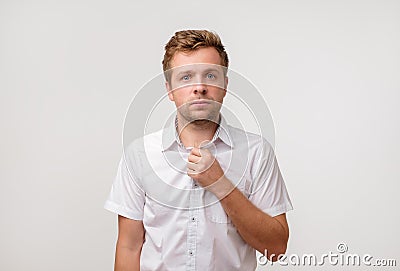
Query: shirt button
195	185
193	219
190	253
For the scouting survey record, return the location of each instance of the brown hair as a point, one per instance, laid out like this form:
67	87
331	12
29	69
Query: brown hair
191	40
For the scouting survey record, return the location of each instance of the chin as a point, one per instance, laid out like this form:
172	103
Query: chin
204	117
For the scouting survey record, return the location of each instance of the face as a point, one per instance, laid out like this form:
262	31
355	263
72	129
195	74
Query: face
197	84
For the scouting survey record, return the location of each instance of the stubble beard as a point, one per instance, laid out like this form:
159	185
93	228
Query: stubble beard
206	116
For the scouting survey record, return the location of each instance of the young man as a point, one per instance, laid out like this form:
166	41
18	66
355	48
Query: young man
225	209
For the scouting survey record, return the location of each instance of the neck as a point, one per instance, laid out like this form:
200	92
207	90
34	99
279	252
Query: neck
196	133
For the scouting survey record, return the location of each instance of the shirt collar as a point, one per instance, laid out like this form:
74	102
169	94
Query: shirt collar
170	134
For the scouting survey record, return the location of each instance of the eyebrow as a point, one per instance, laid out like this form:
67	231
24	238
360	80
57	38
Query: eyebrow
212	70
184	72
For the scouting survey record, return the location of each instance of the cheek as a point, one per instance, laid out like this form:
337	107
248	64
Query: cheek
182	93
217	93
177	98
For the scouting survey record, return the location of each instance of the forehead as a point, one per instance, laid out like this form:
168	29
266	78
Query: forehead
207	55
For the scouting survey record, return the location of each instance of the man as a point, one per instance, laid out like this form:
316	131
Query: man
225	209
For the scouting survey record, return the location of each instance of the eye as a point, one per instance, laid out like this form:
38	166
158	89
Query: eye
186	77
210	76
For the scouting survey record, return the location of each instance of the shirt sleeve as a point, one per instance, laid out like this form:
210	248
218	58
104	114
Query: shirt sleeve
126	197
268	190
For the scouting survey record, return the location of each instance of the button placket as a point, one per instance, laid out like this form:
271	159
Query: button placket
192	229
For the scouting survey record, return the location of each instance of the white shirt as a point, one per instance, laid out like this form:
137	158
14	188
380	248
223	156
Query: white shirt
186	228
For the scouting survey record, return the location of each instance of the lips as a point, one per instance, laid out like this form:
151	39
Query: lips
200	102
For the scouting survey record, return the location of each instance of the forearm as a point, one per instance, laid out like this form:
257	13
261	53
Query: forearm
127	259
258	229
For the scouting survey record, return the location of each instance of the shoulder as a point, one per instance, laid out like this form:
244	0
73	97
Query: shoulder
135	149
139	144
253	141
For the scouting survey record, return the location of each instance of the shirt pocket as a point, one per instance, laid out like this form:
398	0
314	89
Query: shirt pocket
215	212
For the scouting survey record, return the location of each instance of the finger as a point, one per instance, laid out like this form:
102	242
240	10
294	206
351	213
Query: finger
196	151
191	173
193	167
189	167
193	158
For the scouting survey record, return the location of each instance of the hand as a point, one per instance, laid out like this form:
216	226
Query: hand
203	167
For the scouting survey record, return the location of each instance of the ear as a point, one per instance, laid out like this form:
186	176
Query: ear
226	85
168	87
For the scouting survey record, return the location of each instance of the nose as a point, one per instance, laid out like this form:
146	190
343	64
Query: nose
200	89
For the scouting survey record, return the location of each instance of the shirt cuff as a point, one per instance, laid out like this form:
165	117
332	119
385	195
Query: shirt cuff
278	209
122	210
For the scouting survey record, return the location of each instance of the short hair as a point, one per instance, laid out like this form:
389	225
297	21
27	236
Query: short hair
191	40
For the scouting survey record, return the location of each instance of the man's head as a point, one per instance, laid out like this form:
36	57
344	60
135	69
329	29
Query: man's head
195	65
188	41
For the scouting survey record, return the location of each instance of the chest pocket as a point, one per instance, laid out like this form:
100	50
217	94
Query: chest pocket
215	212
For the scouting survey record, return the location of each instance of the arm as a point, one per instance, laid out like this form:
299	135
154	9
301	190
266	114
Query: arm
268	235
129	244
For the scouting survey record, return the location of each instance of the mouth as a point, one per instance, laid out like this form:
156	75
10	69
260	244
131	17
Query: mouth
200	102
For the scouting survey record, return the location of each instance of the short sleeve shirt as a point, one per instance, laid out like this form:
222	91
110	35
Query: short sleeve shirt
186	227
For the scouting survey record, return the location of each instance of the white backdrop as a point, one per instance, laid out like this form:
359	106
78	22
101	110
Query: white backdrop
68	69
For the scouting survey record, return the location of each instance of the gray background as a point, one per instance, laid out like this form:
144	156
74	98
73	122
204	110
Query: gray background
69	69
